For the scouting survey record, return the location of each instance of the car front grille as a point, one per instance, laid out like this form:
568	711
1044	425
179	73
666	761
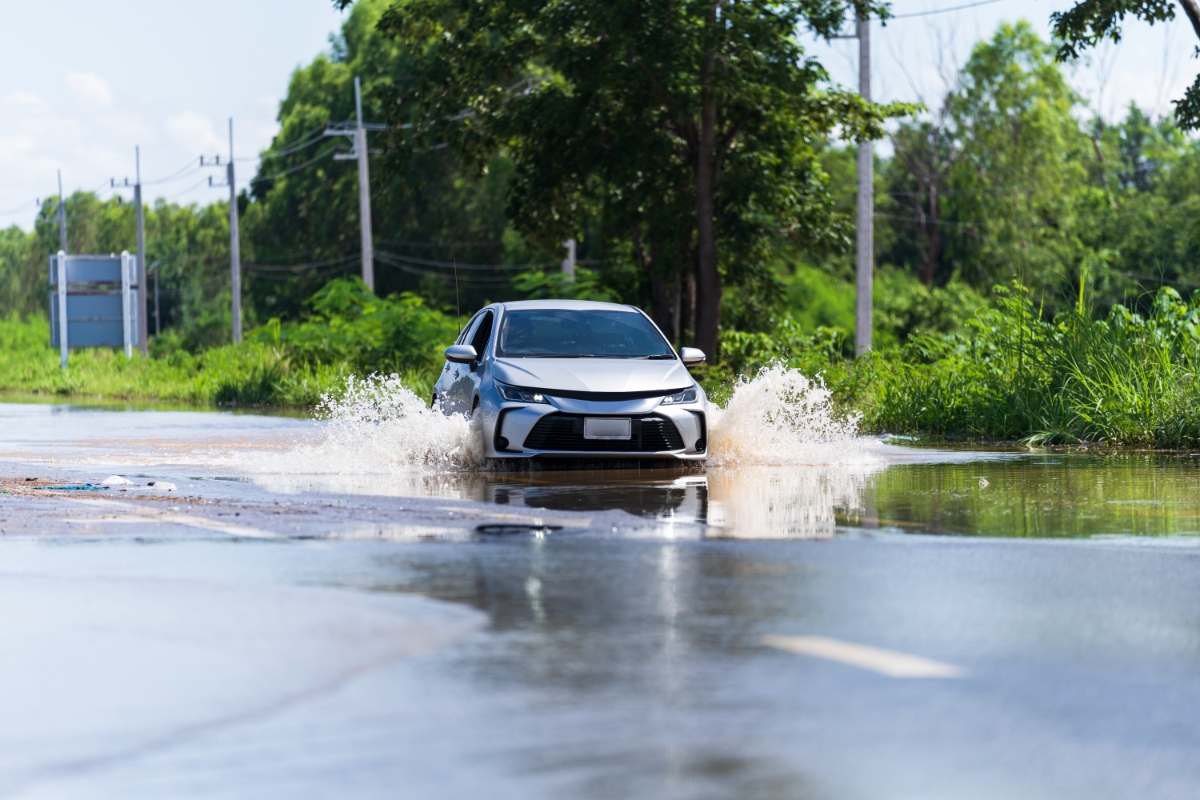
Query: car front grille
564	432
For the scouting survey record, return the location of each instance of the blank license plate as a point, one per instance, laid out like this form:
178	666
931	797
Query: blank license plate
605	428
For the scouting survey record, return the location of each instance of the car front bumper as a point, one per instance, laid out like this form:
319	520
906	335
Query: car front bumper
550	430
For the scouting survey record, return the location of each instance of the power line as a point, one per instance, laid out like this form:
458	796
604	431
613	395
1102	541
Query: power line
1036	223
295	145
501	280
182	172
189	189
425	262
435	245
296	168
943	10
275	276
21	209
301	267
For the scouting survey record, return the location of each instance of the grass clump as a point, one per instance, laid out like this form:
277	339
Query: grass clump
1125	379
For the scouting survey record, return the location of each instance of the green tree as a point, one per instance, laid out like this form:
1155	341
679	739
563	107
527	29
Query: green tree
999	184
303	205
1090	21
674	125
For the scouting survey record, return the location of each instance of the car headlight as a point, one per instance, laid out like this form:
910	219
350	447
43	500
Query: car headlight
686	396
520	395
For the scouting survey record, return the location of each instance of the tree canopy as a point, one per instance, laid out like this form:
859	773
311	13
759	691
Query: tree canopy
1089	22
686	132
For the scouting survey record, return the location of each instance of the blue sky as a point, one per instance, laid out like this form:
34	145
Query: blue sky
83	82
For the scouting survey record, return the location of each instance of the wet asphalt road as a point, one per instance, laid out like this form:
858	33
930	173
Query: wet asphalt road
149	658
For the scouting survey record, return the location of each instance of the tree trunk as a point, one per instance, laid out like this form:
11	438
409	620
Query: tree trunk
935	236
1192	10
677	306
687	303
708	281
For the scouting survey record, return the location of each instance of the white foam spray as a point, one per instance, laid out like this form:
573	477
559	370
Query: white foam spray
777	418
780	417
376	426
379	423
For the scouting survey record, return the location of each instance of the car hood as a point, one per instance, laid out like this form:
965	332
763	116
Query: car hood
593	374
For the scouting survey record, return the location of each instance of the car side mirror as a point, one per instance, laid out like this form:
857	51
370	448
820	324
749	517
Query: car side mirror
691	356
461	354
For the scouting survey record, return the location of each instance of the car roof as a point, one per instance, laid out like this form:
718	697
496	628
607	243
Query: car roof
564	305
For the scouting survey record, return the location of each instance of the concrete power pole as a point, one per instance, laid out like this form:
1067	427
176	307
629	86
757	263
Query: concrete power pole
864	266
143	328
62	217
364	190
358	134
568	264
235	256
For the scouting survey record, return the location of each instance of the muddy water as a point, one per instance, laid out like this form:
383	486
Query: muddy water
252	644
858	485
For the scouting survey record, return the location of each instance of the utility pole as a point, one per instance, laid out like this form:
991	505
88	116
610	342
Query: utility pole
359	136
568	264
157	316
364	191
143	328
62	216
864	264
235	255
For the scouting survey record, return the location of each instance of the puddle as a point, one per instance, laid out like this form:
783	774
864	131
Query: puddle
788	470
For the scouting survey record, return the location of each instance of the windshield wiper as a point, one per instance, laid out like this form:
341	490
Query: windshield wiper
661	357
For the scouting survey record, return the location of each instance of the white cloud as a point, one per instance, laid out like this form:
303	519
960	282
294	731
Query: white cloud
195	132
89	87
19	97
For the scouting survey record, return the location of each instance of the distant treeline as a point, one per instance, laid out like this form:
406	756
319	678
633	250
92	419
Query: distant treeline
1009	177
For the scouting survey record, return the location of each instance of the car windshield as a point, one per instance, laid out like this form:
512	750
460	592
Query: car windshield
562	333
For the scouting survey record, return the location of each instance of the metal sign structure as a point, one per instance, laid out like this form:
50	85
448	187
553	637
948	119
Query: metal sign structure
94	302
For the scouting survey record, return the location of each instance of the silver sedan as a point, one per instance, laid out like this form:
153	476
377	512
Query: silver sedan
574	379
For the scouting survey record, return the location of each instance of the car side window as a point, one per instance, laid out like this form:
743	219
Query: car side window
467	329
482	333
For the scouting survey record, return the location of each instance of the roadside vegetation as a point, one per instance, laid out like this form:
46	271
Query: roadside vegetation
1037	263
350	330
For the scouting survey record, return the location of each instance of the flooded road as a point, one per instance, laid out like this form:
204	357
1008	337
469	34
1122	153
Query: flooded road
306	614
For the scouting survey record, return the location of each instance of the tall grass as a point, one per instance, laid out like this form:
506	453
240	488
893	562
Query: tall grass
1124	379
1009	375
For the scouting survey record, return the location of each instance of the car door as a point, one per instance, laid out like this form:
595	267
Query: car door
447	389
466	387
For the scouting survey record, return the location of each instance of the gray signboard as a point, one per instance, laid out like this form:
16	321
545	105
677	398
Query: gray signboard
93	302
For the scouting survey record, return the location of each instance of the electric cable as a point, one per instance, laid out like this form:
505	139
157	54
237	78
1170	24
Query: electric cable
425	262
296	168
295	145
1038	224
19	209
447	245
185	191
301	267
943	10
486	280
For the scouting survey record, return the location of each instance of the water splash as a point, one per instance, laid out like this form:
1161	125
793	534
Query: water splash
781	417
377	425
